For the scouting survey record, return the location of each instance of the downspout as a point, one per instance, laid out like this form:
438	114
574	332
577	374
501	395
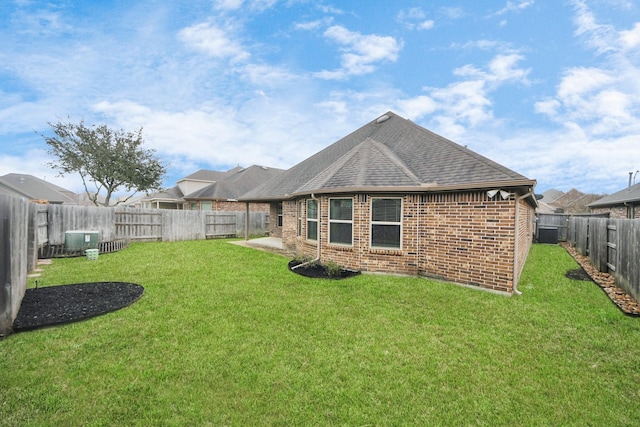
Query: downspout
319	236
515	242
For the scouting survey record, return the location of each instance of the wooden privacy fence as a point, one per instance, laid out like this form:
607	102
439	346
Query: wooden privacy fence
28	229
612	245
151	224
16	222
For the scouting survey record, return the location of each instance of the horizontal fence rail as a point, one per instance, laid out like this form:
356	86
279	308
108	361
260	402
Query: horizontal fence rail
612	245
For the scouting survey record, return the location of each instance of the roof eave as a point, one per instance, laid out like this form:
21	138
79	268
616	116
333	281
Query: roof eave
524	185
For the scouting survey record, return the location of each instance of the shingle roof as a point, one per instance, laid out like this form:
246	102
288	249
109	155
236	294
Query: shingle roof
173	194
236	182
629	194
35	188
209	175
389	152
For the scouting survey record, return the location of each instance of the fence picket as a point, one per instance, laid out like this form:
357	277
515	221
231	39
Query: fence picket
613	245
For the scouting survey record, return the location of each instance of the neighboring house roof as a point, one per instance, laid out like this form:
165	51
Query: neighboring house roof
628	195
33	188
209	175
545	208
551	195
227	185
170	194
390	154
236	182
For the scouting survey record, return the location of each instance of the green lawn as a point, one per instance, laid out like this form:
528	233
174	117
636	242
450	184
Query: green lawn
226	335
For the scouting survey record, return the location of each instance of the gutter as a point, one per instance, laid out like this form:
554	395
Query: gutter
515	242
313	196
431	187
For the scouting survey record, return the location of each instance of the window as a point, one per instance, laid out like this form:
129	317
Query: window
341	221
279	209
193	206
205	206
386	223
312	219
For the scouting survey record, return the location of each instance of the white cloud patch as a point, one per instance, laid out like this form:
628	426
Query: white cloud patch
314	25
601	99
228	4
414	19
213	40
466	104
361	53
515	7
630	40
599	106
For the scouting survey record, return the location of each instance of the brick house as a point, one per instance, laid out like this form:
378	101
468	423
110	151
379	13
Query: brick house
212	190
623	204
393	197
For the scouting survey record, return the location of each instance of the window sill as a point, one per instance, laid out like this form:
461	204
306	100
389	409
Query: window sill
337	247
389	251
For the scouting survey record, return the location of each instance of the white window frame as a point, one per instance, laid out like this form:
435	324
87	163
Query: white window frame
372	223
312	220
341	221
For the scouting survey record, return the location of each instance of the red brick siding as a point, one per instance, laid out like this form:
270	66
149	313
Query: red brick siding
620	212
525	235
468	238
459	237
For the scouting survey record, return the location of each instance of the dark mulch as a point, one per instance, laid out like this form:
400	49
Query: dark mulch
578	274
56	305
319	271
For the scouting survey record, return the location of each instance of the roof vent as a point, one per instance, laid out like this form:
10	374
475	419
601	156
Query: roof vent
383	119
264	168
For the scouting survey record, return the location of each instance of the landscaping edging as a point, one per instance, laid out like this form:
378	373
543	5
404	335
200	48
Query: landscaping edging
625	302
319	271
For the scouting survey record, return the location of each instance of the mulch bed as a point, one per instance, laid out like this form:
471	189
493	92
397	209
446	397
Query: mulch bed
319	271
625	302
57	305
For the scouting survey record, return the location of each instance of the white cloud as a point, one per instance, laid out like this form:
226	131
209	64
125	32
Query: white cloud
599	36
417	107
631	39
314	25
330	9
361	52
414	19
228	4
214	41
515	7
602	99
234	5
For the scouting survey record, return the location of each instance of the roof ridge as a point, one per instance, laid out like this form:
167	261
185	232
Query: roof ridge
325	175
396	160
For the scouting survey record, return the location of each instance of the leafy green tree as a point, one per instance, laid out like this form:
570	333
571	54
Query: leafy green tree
111	160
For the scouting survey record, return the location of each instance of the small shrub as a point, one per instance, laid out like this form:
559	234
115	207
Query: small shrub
333	269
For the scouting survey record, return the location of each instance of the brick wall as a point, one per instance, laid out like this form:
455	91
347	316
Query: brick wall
459	237
525	235
468	238
620	212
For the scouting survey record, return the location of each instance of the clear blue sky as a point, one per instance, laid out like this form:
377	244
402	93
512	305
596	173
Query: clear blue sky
550	89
